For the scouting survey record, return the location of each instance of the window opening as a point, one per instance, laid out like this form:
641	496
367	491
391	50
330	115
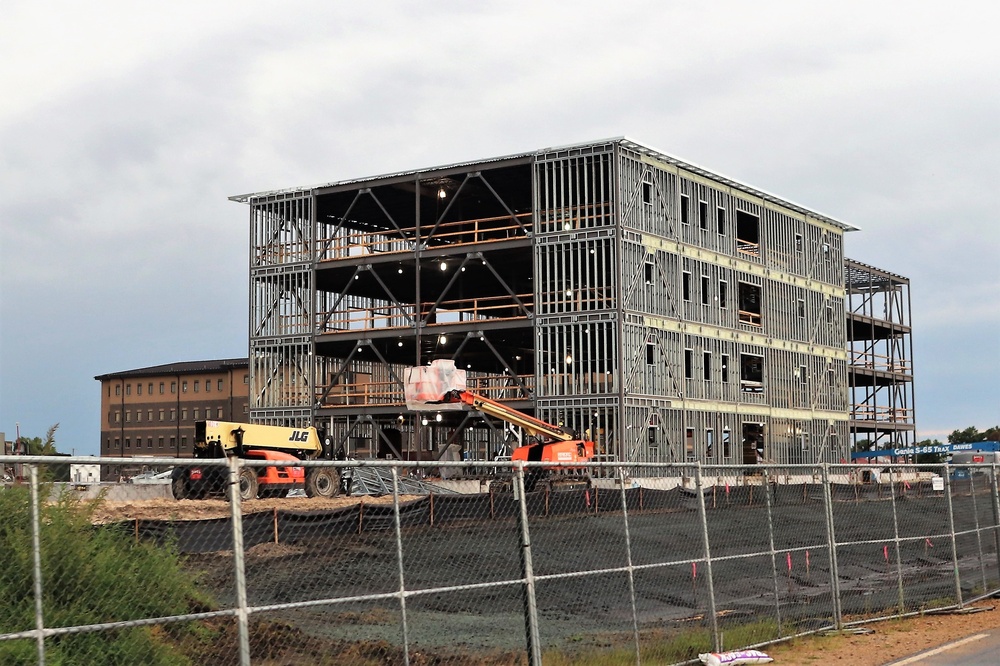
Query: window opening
727	451
800	306
703	215
725	368
751	373
720	220
723	294
647	192
709	442
753	443
689	443
798	242
688	362
750	304
747	233
802	375
706	365
704	290
686	285
650	267
684	210
650	353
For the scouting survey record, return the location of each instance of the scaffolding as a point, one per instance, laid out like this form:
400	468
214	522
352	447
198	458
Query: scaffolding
665	312
881	371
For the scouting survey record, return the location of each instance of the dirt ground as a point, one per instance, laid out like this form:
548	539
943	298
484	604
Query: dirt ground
890	640
171	509
335	559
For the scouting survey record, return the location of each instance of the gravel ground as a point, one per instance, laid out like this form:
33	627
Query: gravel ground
593	613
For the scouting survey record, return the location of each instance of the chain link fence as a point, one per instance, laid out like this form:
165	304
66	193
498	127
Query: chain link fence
641	564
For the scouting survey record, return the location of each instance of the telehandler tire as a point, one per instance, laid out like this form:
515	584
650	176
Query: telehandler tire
322	482
248	483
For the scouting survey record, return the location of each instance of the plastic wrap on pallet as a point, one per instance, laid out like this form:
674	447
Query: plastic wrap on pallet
428	383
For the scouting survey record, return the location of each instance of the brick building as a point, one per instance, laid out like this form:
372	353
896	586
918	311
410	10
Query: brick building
151	411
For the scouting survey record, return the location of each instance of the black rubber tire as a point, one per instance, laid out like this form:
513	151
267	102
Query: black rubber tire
178	486
248	484
322	482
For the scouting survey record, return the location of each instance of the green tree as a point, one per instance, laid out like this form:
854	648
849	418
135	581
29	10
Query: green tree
36	446
992	434
929	458
970	434
90	575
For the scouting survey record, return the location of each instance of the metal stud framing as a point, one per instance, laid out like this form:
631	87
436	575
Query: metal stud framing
881	370
670	313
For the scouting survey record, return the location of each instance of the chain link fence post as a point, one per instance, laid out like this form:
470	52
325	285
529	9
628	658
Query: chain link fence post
631	572
239	569
702	514
996	515
895	536
530	603
36	552
399	559
954	537
979	534
831	538
770	537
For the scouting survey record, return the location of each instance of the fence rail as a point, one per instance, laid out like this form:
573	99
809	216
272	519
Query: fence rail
492	563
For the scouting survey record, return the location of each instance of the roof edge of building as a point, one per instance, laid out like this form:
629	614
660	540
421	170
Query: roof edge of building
181	368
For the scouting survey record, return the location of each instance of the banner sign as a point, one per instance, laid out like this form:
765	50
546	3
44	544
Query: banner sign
936	448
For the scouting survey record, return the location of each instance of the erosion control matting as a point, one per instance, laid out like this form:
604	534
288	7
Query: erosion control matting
458	540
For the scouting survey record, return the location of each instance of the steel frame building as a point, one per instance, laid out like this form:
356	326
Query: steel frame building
881	371
670	313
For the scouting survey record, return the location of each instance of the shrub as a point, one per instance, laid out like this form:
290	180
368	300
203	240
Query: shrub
90	575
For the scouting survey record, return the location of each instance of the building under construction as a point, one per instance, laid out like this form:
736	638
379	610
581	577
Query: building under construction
669	313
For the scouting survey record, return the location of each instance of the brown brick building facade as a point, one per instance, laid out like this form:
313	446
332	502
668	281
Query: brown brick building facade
151	411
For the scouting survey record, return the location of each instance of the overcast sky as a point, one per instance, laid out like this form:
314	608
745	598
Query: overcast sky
123	130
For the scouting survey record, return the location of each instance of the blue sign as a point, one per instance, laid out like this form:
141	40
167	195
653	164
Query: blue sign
932	448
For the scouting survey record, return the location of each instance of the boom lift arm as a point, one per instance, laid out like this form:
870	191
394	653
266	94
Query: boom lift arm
531	425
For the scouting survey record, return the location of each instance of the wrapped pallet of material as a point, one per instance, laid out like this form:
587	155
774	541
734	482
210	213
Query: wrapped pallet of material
427	384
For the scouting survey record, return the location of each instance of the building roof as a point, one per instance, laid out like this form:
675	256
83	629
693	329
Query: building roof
624	141
182	368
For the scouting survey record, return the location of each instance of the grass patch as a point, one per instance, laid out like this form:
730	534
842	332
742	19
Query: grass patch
662	647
